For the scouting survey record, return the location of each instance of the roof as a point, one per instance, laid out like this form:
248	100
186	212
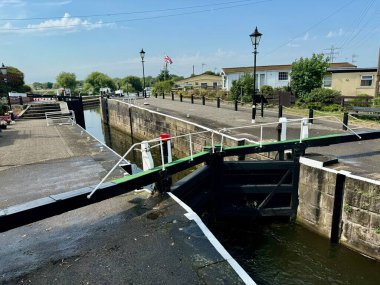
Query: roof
352	69
200	77
228	70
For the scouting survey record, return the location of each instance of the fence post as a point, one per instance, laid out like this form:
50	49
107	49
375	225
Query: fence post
163	95
155	94
280	111
218	102
345	121
180	97
192	98
236	104
172	96
262	107
311	116
203	100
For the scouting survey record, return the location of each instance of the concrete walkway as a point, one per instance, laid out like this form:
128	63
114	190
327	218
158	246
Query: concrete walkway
37	161
360	158
135	238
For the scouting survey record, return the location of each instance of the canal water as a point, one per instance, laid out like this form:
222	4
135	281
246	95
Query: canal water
272	253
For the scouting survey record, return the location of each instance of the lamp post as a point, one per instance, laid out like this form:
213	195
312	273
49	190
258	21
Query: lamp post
4	71
142	54
255	38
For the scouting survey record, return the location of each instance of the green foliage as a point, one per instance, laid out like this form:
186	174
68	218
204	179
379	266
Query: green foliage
134	83
3	106
40	86
97	80
209	72
245	84
67	80
162	87
322	95
267	90
377	230
15	81
307	74
376	101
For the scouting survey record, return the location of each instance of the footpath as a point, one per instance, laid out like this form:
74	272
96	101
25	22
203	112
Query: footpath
360	158
134	238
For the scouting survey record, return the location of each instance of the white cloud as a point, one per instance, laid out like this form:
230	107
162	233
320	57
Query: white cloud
13	3
333	34
61	3
66	23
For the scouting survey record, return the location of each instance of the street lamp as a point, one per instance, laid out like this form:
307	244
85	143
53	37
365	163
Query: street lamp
4	71
255	38
142	54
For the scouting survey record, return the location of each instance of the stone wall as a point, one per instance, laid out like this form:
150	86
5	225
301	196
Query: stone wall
360	219
145	124
316	199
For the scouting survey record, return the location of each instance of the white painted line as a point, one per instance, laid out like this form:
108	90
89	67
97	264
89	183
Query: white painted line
191	215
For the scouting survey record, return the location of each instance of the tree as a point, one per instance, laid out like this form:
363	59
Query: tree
67	80
134	82
15	81
97	80
243	84
307	74
164	75
162	87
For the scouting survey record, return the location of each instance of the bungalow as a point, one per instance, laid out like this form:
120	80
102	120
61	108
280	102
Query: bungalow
273	75
205	81
351	81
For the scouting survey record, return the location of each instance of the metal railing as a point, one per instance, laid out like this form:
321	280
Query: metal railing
60	118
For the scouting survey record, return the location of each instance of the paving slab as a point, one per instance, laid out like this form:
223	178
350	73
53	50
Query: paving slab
37	160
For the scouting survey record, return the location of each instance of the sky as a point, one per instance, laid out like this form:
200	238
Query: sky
45	37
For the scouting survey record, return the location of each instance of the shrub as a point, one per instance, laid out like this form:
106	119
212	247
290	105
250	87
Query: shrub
376	101
332	108
267	90
321	95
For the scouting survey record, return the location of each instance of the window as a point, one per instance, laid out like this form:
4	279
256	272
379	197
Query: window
283	76
366	80
327	81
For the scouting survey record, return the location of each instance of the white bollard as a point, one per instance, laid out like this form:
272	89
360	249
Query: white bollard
147	159
284	124
304	128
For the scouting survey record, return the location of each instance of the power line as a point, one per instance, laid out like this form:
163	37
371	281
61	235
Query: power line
311	27
332	54
128	13
132	20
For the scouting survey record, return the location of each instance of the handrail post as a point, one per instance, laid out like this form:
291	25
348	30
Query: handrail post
345	121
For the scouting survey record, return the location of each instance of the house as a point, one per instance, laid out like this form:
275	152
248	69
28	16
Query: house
351	81
206	81
273	75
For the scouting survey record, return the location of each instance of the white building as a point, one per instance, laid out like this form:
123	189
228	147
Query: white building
272	75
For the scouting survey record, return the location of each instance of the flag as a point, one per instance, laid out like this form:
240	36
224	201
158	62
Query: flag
168	59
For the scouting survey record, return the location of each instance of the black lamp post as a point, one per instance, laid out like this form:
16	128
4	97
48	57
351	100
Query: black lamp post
142	54
4	71
255	38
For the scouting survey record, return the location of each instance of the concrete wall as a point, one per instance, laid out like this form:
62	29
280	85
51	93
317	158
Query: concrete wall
360	220
146	124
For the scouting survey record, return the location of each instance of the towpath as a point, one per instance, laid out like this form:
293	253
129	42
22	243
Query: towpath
135	238
360	158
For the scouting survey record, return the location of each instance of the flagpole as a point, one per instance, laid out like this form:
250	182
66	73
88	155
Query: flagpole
166	67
